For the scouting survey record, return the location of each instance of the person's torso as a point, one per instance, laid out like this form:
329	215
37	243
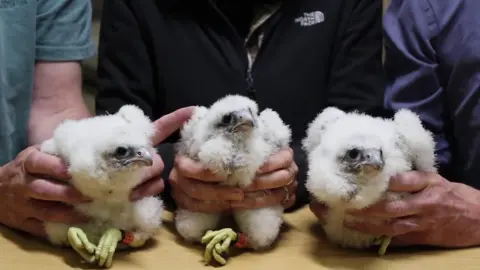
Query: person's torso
458	50
195	47
17	58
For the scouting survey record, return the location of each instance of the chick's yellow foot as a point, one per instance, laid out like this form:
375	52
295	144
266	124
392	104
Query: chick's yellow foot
107	246
218	243
78	240
384	242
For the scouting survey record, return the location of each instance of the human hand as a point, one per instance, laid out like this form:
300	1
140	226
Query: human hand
153	183
439	213
28	197
196	188
275	183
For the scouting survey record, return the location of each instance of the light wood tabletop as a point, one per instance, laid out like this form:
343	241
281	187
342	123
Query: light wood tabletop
301	245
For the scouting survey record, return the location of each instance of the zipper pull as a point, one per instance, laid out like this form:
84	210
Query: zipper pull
250	87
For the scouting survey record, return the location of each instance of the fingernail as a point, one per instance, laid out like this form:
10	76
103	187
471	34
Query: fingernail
134	196
237	196
62	171
262	169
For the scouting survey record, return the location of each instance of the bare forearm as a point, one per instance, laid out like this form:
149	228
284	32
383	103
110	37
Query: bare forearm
43	119
57	96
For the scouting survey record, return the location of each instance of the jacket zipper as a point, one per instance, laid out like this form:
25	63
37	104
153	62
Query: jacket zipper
249	77
250	88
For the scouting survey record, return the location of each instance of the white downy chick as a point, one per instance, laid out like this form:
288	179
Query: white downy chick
105	156
233	140
351	158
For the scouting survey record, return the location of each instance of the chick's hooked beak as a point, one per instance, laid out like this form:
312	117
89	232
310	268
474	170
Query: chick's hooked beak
372	160
142	156
244	121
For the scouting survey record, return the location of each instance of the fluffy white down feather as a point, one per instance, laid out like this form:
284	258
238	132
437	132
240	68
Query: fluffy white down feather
236	158
405	145
83	144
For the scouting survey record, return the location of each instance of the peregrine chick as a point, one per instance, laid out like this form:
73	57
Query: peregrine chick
233	140
105	156
351	159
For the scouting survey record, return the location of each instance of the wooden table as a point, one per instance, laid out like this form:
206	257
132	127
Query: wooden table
302	247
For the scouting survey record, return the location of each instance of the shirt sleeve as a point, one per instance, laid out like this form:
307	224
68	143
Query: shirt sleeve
63	30
357	79
411	67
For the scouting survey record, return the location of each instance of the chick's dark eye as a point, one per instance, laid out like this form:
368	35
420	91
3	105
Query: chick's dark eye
226	119
121	151
353	153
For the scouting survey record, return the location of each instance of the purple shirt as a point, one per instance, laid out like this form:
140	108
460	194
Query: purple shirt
433	68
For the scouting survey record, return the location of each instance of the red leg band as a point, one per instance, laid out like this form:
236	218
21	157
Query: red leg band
242	241
128	238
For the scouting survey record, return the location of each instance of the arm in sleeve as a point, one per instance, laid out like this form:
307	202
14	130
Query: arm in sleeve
63	30
411	65
125	75
357	79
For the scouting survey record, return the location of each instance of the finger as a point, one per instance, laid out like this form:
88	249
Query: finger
188	168
39	163
274	180
258	199
152	187
183	201
412	181
265	198
168	124
34	227
277	161
319	210
390	228
152	183
155	170
46	190
207	192
55	212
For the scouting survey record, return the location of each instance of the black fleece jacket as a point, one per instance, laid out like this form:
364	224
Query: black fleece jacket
164	55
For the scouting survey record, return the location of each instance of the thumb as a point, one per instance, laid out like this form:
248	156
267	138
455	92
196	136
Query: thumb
412	181
168	124
40	163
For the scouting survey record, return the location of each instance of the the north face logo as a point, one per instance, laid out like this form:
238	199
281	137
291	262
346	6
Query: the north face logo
310	18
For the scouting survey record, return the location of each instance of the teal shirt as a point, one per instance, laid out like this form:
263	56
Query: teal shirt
30	31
